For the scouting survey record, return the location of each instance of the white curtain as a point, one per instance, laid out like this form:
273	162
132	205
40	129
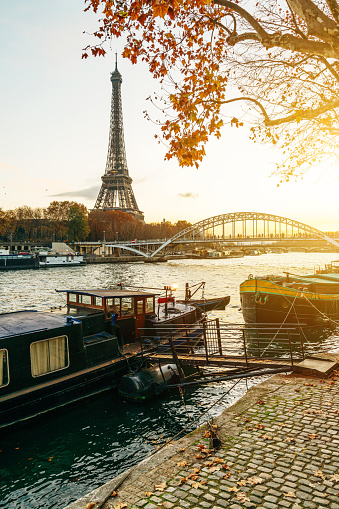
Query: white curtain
40	358
57	355
49	355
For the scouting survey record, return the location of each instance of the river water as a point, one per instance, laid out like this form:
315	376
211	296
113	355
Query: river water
55	460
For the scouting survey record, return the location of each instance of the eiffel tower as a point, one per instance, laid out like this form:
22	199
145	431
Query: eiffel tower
116	191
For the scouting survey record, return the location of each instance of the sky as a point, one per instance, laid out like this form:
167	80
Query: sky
55	110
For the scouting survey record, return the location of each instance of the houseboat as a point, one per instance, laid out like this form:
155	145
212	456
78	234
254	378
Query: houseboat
54	259
17	260
310	299
51	359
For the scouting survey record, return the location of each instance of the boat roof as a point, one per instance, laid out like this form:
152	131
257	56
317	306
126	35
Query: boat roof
111	293
317	279
24	322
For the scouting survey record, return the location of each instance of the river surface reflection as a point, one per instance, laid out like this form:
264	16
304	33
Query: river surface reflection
53	461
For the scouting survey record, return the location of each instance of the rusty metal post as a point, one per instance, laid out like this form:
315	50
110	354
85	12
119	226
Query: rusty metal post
175	358
205	340
289	341
217	324
245	348
256	331
301	343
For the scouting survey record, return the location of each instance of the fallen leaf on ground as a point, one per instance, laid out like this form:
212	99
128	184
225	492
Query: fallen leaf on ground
260	426
266	437
196	470
198	457
289	439
260	402
255	480
241	497
182	464
226	467
226	476
214	469
149	493
160	487
312	435
201	446
319	473
290	494
181	449
235	489
243	482
218	460
334	477
114	494
90	505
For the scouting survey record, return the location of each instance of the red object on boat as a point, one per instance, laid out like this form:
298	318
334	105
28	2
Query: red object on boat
162	300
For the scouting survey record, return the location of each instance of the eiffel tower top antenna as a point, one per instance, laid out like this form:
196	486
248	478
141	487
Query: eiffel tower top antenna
116	191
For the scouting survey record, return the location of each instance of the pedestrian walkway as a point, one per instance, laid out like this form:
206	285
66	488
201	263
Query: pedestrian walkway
279	449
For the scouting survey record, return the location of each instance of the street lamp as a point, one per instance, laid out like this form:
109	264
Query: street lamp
104	236
116	236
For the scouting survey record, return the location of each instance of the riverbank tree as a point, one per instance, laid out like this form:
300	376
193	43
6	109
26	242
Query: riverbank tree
71	221
273	64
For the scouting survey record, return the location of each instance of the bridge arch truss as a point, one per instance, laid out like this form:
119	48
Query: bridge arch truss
273	227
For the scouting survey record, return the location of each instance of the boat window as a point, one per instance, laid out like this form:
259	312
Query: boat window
4	376
113	305
85	299
72	297
97	301
49	355
149	305
127	306
140	307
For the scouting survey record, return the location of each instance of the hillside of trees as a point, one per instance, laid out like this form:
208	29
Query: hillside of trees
71	221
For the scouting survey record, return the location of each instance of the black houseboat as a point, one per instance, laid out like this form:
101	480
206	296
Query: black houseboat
50	359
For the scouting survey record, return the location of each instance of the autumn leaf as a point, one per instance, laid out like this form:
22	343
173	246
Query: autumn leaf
149	493
201	446
198	457
182	464
255	480
235	489
319	473
241	497
160	487
226	476
260	402
290	494
213	469
181	449
114	494
312	435
90	505
289	439
242	482
334	477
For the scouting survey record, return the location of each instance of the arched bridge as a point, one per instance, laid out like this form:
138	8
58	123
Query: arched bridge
225	227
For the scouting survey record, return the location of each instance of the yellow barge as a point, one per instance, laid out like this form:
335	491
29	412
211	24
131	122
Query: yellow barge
311	299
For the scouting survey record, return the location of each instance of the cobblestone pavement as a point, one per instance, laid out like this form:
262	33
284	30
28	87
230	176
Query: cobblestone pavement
279	450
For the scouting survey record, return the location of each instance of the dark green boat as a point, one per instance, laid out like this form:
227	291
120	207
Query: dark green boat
51	359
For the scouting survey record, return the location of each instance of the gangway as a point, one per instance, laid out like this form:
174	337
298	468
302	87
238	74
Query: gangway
228	351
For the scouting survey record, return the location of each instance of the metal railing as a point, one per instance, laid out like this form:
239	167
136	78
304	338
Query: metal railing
210	341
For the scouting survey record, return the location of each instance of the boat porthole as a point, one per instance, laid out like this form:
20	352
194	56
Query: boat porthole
285	304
